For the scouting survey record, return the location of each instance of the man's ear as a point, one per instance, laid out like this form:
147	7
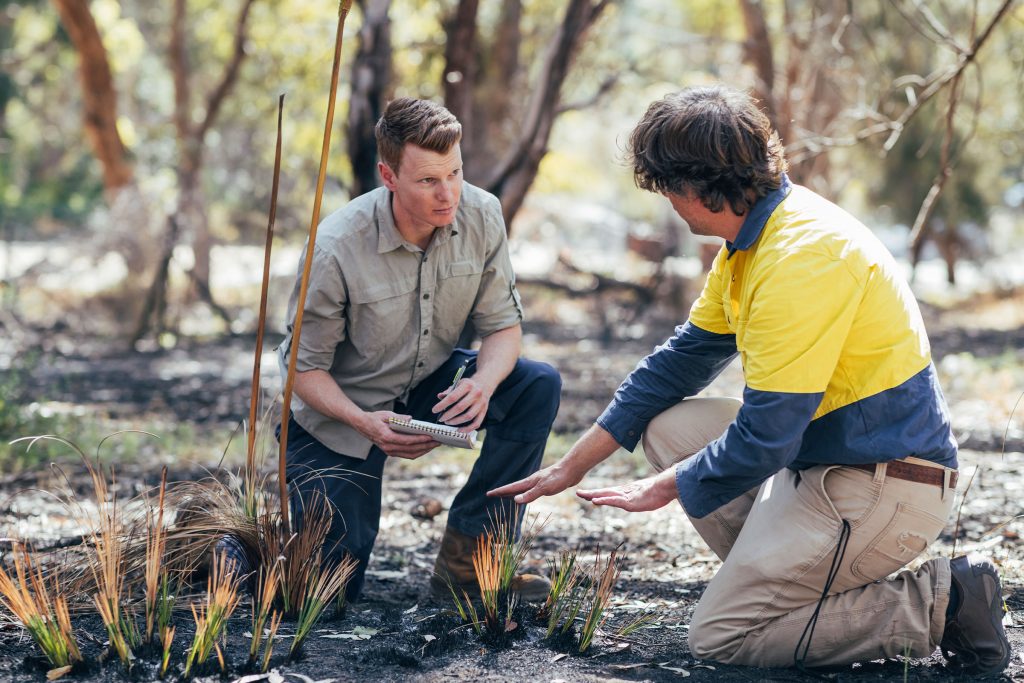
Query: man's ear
388	176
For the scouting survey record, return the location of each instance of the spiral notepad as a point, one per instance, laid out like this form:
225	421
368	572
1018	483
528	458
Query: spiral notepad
446	434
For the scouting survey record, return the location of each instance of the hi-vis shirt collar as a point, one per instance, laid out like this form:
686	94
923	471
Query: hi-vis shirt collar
755	221
390	239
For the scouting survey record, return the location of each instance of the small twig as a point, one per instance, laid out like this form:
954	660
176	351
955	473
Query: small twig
960	509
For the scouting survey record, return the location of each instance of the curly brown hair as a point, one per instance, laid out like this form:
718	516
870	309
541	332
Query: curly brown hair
423	123
711	141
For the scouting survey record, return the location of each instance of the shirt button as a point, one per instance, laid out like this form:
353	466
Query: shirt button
426	296
631	432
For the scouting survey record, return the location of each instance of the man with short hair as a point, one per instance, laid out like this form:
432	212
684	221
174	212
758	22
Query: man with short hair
838	467
396	275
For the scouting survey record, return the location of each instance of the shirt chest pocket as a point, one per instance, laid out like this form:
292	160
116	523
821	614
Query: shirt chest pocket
457	286
381	314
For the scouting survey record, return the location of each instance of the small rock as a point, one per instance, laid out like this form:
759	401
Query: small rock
427	508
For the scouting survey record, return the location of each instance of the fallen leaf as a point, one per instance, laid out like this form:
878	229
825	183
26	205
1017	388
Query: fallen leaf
511	626
628	667
275	677
558	658
364	631
429	638
676	670
54	674
412	609
252	678
703	666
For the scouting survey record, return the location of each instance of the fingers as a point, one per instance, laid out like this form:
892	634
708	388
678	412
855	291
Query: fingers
467	403
524	491
410	452
513	488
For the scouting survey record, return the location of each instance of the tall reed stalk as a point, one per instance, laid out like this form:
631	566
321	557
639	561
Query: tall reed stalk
343	9
41	606
252	482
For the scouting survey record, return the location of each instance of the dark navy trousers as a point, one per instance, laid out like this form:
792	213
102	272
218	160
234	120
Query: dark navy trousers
518	421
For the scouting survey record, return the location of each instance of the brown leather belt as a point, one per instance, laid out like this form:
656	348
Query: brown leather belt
911	472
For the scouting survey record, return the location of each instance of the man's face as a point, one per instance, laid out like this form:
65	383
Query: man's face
427	186
698	218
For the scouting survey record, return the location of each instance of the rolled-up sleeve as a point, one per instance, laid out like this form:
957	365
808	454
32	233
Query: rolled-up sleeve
323	322
497	304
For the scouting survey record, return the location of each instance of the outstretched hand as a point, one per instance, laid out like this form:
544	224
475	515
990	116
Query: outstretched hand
545	482
638	496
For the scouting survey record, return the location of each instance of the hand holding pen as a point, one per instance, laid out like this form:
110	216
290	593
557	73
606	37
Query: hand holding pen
464	403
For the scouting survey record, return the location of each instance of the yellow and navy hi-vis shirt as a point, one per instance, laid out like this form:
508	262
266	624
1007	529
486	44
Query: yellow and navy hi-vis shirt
835	357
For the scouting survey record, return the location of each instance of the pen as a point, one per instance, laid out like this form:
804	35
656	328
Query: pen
458	376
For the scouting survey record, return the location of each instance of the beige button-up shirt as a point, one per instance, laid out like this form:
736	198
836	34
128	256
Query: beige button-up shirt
382	314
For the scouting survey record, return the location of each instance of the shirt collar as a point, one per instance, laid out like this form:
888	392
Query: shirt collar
388	237
758	216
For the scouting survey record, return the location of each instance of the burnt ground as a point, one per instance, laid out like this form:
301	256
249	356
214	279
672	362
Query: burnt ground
397	632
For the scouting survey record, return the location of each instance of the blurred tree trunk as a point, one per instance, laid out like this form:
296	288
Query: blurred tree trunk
190	211
460	62
758	53
514	175
128	228
99	96
371	79
803	98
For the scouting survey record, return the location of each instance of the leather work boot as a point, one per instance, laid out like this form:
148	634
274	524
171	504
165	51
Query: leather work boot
974	634
455	563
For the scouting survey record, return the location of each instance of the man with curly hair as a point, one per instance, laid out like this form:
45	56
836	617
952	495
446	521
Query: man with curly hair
838	466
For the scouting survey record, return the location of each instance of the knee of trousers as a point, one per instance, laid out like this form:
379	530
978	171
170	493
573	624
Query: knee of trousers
713	639
545	390
685	428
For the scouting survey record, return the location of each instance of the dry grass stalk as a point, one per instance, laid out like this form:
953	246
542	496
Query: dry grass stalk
155	543
108	566
166	638
466	611
212	615
206	510
497	558
491	558
263	605
302	553
563	598
41	606
268	648
604	584
324	584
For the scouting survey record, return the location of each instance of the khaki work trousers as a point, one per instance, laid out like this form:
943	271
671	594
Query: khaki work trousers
777	543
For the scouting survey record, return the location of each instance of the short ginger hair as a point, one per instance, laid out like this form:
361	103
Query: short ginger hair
423	123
